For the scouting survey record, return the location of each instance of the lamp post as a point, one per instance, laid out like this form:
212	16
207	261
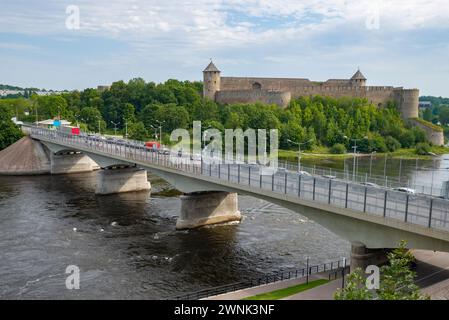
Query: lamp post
126	129
371	163
160	130
77	118
99	129
307	271
115	127
299	144
355	154
155	131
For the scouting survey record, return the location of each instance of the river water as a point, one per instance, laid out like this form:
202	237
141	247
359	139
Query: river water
126	246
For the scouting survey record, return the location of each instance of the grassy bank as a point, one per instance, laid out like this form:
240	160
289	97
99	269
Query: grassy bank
323	152
286	292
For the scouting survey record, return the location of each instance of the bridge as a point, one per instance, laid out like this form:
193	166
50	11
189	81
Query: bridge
372	218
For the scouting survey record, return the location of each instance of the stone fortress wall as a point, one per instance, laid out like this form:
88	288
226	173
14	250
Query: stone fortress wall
281	90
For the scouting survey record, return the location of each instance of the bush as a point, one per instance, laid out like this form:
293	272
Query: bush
422	148
392	144
338	148
407	139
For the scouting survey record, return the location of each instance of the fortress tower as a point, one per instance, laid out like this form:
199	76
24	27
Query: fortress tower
358	79
211	78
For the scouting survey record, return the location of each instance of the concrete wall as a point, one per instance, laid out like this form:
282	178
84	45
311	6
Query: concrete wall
121	180
206	208
71	162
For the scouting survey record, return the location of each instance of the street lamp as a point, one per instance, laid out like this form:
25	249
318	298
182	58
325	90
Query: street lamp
155	131
115	127
77	118
160	130
371	162
299	144
355	153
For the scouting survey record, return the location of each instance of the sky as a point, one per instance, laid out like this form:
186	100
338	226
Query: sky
399	42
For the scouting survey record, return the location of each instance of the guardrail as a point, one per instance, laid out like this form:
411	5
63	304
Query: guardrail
417	209
335	267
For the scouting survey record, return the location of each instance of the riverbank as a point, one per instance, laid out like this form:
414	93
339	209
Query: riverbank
323	153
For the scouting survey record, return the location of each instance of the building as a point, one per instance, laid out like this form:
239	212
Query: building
425	104
280	91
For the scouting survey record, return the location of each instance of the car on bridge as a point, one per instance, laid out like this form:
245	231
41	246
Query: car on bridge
405	190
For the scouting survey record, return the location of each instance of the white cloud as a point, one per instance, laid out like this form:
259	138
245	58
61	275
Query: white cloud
208	22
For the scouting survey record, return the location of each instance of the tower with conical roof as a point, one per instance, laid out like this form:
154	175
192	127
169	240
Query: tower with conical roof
358	79
211	79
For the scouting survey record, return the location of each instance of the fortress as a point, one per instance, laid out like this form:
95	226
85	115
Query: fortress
281	90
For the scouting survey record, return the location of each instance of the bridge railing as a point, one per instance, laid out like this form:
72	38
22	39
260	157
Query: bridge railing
380	180
424	210
333	267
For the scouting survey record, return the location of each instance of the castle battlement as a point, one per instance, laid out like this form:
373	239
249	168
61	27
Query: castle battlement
281	90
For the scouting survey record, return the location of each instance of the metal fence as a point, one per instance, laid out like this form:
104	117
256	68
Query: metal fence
428	211
380	180
334	268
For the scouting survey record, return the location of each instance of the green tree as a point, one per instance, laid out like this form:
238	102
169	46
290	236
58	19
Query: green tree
427	115
173	116
9	132
137	131
422	148
90	116
392	144
444	116
338	148
407	139
397	280
355	288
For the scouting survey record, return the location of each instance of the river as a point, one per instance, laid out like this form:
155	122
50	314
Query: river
126	246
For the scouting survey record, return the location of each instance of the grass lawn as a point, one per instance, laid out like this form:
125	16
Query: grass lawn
286	292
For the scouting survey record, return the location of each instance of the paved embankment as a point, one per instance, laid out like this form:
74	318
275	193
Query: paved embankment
25	157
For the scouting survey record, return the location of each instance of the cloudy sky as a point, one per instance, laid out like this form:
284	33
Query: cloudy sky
398	42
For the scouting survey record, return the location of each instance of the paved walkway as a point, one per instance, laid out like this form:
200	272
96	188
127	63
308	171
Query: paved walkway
249	292
432	276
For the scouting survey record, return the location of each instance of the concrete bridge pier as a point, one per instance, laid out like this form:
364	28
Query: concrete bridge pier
207	208
361	256
121	179
70	162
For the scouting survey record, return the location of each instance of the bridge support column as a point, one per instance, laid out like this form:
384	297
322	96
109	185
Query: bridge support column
71	162
206	208
111	181
361	257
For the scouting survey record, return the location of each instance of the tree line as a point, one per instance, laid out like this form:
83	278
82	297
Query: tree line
140	107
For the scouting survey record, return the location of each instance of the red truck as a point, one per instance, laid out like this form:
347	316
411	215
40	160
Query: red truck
153	145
